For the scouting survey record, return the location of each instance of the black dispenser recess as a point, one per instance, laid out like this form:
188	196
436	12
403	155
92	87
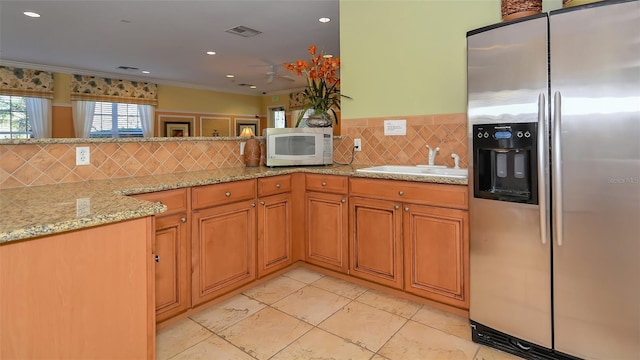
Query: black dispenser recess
505	158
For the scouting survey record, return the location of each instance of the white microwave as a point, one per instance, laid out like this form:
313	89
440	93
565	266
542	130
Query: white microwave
298	146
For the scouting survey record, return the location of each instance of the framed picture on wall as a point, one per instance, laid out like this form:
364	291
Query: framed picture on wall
177	129
240	126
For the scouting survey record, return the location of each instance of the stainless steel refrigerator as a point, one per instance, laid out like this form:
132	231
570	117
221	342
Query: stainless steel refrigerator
554	148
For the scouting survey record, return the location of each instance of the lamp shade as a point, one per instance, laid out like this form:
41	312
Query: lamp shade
246	132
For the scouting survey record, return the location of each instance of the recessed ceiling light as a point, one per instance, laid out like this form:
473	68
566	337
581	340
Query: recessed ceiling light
145	72
211	52
327	56
230	76
324	19
253	87
31	14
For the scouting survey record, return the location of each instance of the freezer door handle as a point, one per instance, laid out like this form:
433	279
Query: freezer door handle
542	169
557	166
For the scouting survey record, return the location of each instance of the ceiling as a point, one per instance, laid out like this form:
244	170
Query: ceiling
170	40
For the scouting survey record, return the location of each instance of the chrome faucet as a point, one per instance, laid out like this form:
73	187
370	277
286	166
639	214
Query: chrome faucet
432	154
456	160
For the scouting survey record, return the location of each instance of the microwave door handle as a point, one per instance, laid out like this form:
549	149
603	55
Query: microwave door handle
542	169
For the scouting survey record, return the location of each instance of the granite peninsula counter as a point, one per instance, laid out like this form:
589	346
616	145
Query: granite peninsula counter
31	212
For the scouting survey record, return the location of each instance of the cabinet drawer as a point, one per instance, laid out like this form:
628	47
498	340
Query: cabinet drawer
452	196
225	193
326	183
274	185
175	200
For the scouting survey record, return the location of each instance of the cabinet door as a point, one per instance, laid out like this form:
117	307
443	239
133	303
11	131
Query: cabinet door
326	230
223	249
437	253
172	267
274	233
376	241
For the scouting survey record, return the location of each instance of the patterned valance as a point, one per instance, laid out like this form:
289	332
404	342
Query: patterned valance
296	100
26	82
93	88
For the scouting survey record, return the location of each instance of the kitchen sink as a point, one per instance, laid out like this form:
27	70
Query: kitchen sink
420	170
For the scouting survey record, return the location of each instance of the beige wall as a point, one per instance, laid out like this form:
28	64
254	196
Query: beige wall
409	57
172	98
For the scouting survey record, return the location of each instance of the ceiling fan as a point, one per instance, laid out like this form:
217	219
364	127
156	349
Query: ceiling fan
272	74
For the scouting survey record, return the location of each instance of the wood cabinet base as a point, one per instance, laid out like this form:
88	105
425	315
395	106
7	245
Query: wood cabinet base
85	294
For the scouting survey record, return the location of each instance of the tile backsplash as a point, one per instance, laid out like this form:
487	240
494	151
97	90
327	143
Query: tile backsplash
448	132
41	162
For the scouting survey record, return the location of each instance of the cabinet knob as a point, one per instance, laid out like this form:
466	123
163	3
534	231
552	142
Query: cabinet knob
183	219
227	194
253	204
343	201
261	202
159	203
277	186
157	258
406	209
400	192
324	183
397	207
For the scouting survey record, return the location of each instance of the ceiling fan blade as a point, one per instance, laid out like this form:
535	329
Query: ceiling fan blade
287	77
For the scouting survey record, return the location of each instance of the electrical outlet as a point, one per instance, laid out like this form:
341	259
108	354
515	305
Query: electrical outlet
357	144
82	155
83	207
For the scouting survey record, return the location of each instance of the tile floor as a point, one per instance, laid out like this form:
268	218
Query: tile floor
307	315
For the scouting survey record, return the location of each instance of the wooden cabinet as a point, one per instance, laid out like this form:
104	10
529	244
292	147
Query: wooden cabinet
171	247
84	294
274	224
411	235
375	239
223	238
326	219
436	255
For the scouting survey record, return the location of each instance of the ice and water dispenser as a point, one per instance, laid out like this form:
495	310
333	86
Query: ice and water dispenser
505	162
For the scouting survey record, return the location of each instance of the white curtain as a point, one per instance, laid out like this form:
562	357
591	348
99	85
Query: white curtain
146	118
82	117
39	113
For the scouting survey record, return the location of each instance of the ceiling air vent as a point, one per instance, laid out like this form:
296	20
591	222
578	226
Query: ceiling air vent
243	84
127	68
243	31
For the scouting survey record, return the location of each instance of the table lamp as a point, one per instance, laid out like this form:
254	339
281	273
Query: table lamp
251	149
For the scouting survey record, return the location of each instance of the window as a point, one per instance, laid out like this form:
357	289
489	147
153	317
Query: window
277	118
116	120
14	120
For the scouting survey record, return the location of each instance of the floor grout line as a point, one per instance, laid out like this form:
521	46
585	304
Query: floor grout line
313	327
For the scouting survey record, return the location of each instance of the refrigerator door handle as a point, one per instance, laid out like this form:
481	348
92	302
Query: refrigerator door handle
557	166
542	169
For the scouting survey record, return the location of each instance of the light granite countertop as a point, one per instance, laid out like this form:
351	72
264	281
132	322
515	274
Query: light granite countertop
31	212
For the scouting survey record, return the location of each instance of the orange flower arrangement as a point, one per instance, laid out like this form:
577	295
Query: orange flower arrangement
322	93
